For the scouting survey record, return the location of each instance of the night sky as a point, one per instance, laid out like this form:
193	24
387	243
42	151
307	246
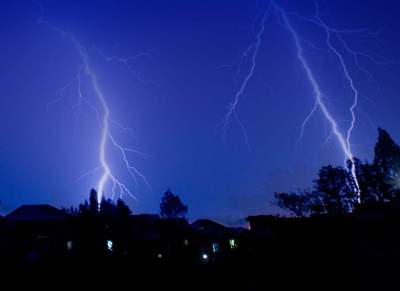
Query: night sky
186	73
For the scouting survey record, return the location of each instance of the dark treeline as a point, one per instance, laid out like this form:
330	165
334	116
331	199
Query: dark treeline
335	191
171	207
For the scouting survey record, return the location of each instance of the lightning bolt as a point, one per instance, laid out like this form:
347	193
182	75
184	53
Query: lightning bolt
337	46
344	141
251	50
354	89
103	114
328	31
332	34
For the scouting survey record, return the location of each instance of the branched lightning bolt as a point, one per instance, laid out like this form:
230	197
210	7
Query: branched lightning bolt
337	46
330	34
104	119
252	50
354	89
346	74
306	120
127	63
320	103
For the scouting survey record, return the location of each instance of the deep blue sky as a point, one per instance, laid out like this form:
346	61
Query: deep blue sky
45	146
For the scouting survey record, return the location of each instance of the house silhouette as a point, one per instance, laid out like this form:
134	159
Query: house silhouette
36	212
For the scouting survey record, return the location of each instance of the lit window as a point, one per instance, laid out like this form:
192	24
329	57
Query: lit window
232	244
69	245
110	245
215	247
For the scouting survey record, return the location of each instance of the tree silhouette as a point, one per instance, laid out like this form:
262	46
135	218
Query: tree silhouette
172	207
387	153
107	209
122	210
71	211
93	203
379	181
333	193
298	203
369	182
386	166
84	208
334	187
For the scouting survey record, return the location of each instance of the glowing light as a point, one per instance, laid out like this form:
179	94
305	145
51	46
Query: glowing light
215	247
204	256
110	245
232	244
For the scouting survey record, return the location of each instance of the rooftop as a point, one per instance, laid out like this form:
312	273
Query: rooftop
41	212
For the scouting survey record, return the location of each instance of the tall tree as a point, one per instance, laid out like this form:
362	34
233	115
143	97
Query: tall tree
369	182
172	207
122	209
387	153
107	209
93	203
83	208
386	166
334	187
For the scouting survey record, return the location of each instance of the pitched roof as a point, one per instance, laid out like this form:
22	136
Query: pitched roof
210	228
207	223
36	212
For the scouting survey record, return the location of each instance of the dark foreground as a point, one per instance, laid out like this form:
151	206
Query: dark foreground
353	252
269	271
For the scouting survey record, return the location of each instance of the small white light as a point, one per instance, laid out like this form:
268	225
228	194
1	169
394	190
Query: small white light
204	257
110	245
69	245
159	256
232	244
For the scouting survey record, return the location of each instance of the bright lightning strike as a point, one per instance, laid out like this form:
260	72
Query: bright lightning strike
332	34
344	141
103	114
335	45
354	90
346	72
